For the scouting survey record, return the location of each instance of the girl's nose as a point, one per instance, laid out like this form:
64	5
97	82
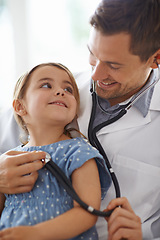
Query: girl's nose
59	92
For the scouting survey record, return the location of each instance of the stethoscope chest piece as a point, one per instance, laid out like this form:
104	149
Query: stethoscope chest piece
47	158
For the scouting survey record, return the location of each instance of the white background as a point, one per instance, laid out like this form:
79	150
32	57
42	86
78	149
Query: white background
36	31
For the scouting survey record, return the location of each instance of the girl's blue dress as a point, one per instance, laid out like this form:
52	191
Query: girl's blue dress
48	199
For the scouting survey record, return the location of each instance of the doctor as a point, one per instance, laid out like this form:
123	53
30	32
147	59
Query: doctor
124	48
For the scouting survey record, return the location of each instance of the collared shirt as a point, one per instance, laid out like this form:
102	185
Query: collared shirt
142	103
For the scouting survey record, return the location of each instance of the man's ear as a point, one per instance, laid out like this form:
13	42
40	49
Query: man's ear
156	60
19	108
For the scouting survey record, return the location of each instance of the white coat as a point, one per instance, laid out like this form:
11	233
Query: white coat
9	131
132	145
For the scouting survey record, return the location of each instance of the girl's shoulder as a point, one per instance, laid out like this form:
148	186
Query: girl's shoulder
83	143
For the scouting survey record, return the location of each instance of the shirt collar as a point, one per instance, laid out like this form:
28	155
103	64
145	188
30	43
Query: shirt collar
143	103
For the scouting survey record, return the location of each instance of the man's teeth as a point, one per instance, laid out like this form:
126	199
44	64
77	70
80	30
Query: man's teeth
107	83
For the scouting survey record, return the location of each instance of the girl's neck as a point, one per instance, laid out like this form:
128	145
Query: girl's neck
39	139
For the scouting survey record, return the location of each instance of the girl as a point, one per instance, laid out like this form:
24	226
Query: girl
46	100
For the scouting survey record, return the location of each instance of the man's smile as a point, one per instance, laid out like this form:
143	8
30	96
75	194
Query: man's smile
105	85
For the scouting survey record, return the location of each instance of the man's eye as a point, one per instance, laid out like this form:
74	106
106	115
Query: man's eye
114	67
68	89
92	60
46	85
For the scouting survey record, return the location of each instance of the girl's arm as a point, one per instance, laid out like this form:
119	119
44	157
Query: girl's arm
75	221
87	185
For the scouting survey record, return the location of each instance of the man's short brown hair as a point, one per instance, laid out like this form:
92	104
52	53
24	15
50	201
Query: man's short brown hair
139	18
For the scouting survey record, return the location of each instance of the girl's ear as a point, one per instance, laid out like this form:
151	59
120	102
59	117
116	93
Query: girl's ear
19	108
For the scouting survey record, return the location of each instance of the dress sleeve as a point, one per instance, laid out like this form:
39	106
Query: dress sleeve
80	152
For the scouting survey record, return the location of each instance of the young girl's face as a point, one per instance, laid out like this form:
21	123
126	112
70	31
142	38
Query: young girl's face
49	98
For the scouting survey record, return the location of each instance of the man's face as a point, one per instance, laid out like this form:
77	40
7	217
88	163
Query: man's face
118	73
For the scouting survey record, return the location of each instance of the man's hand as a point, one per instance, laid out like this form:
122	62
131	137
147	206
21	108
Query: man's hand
123	222
18	171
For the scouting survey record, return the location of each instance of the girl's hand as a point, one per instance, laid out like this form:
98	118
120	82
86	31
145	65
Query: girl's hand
123	222
19	233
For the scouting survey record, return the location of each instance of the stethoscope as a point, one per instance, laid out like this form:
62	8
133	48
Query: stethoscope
121	111
59	174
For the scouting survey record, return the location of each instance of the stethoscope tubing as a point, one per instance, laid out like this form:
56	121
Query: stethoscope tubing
67	185
95	142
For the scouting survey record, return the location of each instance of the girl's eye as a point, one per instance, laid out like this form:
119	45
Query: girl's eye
46	85
69	89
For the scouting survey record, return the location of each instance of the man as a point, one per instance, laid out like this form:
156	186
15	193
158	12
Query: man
124	48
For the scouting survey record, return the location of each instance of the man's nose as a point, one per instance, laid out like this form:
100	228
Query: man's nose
100	71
